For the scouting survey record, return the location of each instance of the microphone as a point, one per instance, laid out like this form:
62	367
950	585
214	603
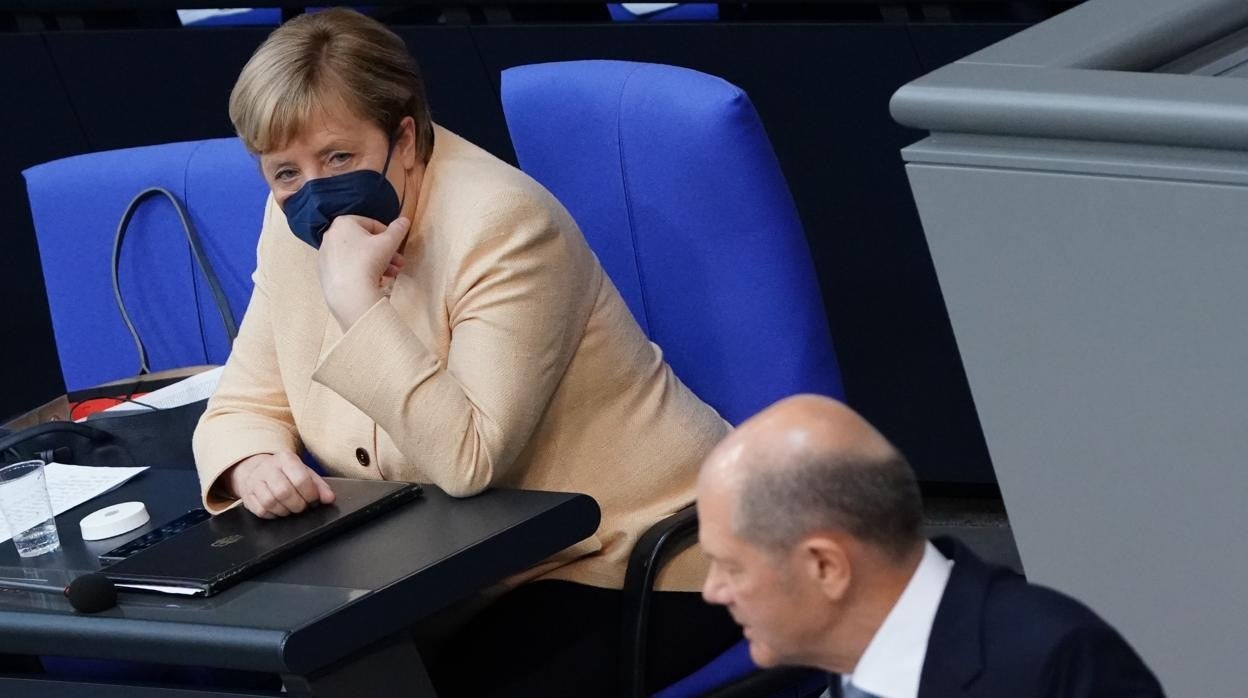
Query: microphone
88	593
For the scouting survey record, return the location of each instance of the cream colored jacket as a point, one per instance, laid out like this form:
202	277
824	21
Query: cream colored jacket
504	356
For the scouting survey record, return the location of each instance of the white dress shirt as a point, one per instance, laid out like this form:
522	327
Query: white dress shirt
893	661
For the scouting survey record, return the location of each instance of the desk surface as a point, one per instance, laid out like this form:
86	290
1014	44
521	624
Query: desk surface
365	584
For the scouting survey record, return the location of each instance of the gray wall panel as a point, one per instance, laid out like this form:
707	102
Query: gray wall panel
1101	321
1084	194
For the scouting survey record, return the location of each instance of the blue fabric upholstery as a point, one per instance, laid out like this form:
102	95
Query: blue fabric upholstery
672	179
684	12
733	665
77	202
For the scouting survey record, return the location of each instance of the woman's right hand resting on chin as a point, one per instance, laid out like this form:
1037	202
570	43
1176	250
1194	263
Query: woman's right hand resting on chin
277	484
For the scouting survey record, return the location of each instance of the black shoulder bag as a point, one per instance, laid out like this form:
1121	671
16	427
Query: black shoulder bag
152	437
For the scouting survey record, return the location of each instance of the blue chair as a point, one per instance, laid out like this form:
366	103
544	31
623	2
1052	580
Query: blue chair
672	179
77	203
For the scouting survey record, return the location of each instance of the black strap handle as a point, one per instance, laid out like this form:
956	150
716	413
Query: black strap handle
201	260
11	441
52	427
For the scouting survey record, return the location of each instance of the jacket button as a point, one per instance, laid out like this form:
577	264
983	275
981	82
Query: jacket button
362	456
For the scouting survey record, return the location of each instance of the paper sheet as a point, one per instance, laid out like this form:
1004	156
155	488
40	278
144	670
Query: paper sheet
188	16
645	8
185	391
180	591
71	485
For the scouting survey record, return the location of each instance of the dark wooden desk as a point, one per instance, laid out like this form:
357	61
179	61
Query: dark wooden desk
331	621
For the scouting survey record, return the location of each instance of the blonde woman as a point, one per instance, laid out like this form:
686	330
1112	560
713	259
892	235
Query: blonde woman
423	311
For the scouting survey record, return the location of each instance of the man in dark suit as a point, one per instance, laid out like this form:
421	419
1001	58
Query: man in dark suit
812	522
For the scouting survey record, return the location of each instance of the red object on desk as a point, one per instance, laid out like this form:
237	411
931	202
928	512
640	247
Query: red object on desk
89	406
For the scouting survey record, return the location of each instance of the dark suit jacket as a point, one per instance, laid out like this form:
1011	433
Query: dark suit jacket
997	636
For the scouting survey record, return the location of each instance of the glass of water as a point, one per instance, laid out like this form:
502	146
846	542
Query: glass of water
26	508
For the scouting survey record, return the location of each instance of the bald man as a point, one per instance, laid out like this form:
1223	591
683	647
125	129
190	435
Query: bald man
812	522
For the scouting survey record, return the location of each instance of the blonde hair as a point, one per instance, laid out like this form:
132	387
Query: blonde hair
316	60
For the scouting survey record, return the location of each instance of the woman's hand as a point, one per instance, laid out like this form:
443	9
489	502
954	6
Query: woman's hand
277	484
358	255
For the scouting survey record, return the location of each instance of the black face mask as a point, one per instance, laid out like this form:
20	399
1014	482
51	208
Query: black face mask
318	202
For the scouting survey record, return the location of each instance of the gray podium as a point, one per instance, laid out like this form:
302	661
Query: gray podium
1084	193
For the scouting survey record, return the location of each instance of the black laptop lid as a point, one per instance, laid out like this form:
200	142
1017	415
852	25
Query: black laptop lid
216	553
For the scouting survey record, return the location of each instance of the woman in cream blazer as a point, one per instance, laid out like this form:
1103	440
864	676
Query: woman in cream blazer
425	312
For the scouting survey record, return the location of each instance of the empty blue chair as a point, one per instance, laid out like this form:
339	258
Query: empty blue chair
77	203
671	177
673	181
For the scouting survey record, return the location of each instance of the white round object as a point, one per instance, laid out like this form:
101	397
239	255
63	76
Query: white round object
114	520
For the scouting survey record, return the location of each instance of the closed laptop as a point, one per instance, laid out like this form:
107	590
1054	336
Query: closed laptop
221	551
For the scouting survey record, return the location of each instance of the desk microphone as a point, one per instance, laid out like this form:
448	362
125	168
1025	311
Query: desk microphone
88	593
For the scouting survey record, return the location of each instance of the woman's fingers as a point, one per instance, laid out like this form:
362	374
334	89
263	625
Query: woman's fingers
396	265
253	505
354	262
373	227
326	494
300	478
280	484
268	499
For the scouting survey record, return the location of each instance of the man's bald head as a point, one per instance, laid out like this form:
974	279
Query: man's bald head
809	464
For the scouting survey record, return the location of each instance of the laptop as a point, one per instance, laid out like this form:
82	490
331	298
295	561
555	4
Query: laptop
217	553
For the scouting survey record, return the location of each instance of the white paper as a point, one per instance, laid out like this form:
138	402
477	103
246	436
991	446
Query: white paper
645	8
197	387
71	485
188	16
181	591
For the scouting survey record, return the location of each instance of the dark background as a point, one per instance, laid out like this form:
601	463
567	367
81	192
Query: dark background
821	87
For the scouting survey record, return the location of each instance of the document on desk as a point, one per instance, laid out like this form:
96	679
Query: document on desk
193	389
71	485
645	8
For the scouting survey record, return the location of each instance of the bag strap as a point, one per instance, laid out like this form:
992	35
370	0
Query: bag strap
201	260
10	441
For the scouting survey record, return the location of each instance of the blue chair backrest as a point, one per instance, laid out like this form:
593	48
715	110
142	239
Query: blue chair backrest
77	203
671	177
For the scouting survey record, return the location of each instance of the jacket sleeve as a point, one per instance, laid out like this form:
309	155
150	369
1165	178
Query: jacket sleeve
249	412
1095	661
517	305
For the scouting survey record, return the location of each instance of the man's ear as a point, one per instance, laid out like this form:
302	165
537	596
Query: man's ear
826	560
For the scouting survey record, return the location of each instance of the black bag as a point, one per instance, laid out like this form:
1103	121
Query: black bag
144	437
155	438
